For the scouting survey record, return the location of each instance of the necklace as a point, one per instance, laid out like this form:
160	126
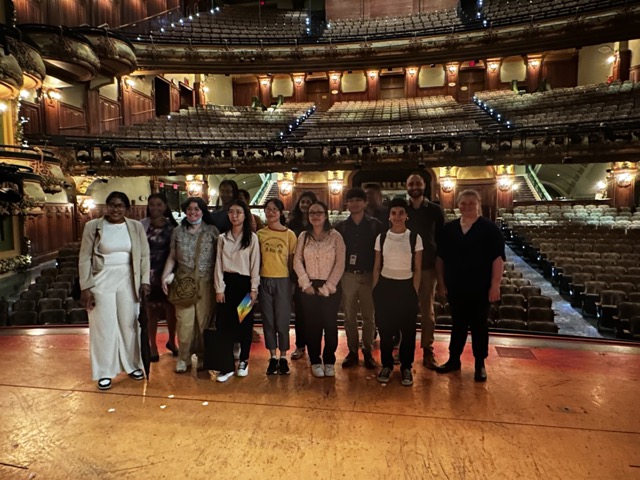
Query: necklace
118	226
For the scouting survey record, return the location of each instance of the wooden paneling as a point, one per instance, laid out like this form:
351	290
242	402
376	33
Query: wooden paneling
110	115
473	80
174	97
354	97
142	109
67	12
343	9
242	93
51	231
72	120
29	11
32	112
107	11
431	91
562	73
391	87
133	10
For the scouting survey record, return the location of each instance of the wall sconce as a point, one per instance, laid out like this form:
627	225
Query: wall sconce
264	82
534	63
624	179
130	82
3	107
85	205
372	74
412	71
505	183
53	94
335	184
298	80
205	89
611	59
493	66
452	69
285	186
447	181
335	78
194	185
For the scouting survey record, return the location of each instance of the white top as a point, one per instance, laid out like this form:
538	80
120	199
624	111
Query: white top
397	256
232	258
115	243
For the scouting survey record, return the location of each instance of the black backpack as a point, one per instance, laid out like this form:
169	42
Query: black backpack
412	242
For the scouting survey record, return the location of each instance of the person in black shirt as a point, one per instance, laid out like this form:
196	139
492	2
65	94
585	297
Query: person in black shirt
426	219
374	207
469	265
359	232
227	192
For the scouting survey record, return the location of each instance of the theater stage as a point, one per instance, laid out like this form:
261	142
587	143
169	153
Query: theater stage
551	409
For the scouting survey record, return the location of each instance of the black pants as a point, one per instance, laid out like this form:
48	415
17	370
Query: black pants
397	306
469	311
227	322
321	316
299	314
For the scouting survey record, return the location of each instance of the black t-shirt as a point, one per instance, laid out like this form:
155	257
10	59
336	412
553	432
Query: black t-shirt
427	221
359	241
468	258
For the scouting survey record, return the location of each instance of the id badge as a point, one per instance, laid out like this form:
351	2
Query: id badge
353	259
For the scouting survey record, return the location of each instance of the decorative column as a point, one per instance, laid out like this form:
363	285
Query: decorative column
492	74
447	182
373	85
534	63
622	184
504	185
411	82
451	73
335	86
264	83
299	88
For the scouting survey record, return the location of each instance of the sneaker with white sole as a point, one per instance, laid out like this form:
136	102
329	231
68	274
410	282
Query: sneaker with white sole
243	368
297	354
407	377
223	377
384	375
329	370
317	370
181	366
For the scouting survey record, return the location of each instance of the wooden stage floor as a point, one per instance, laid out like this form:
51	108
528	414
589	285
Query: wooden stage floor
551	409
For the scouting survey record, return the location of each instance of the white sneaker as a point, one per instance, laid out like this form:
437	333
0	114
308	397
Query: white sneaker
223	377
181	366
243	369
329	370
236	351
317	370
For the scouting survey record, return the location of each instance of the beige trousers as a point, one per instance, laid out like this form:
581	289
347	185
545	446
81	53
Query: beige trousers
357	296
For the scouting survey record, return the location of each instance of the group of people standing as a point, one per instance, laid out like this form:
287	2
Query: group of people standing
383	263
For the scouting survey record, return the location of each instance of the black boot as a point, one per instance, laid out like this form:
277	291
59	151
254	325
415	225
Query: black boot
481	373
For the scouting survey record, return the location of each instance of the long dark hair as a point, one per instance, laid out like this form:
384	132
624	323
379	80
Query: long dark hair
280	206
246	224
168	214
206	215
234	189
326	226
297	216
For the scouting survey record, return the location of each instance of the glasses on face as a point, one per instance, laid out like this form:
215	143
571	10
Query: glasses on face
272	210
316	213
236	212
116	206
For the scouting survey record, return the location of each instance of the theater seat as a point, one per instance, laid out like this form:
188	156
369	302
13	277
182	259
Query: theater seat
49	304
540	314
541	301
23	306
634	327
79	316
511	324
513	299
34	295
520	282
530	290
591	295
546	327
52	317
508	289
607	307
23	318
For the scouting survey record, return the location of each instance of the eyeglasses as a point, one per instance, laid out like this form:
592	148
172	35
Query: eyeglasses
272	209
236	212
317	213
117	206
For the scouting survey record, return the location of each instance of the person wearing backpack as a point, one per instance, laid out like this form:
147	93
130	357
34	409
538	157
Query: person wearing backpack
396	280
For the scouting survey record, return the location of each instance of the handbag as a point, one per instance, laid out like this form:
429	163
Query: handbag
184	291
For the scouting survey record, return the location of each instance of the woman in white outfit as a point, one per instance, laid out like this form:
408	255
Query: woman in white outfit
114	276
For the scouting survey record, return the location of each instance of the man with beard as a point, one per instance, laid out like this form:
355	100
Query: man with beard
426	219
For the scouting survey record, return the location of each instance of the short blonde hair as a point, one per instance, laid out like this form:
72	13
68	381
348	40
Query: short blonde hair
469	193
